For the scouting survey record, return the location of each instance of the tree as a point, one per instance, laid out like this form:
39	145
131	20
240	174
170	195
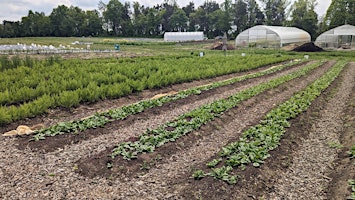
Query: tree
138	20
275	11
116	16
92	23
226	18
240	15
60	24
190	9
304	17
153	22
167	9
255	15
178	21
340	12
204	17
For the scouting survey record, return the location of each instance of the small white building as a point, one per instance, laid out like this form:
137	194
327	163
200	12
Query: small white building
271	36
337	37
183	36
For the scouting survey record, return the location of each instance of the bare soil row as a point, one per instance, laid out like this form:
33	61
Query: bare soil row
75	167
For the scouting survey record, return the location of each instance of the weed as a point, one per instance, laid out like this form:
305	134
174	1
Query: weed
352	152
198	174
352	185
145	165
335	145
109	165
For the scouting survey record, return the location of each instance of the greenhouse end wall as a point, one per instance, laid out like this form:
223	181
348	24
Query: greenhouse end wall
183	36
271	37
339	37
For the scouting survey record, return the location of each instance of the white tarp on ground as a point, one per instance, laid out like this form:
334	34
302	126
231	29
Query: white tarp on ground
336	37
183	36
271	36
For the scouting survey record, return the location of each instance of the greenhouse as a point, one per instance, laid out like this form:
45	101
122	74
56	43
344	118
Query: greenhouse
342	36
271	37
183	36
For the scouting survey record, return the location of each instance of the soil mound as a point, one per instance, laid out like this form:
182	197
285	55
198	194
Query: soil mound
308	47
219	46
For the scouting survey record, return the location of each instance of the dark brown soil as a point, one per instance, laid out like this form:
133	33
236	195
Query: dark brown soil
60	141
308	47
344	168
79	166
95	166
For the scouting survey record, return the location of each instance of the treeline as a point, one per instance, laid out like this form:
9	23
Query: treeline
125	19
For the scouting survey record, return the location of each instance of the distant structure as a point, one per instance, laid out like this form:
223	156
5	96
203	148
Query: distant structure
183	36
339	37
262	36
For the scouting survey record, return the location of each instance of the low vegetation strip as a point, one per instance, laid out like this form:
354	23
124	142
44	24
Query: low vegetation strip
255	143
194	119
100	119
30	91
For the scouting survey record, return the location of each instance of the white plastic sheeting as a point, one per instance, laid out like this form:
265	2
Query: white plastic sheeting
271	36
183	36
337	37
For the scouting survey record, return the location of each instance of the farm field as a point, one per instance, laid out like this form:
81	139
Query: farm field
264	126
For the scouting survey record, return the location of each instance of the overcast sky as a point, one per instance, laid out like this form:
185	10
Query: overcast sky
14	10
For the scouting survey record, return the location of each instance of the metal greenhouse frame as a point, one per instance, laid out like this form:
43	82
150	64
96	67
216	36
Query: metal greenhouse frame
342	36
271	36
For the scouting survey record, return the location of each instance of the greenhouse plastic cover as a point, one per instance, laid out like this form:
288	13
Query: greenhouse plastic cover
274	35
183	36
330	38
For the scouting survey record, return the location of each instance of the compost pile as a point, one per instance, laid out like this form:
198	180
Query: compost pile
308	47
219	46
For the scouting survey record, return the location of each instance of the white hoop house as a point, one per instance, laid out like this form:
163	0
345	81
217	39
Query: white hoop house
337	37
271	36
183	36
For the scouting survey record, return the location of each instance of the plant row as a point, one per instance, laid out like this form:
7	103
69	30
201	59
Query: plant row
100	119
79	83
255	143
193	120
24	84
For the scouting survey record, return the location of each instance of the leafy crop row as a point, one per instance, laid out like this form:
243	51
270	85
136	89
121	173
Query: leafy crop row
100	119
194	119
254	145
23	89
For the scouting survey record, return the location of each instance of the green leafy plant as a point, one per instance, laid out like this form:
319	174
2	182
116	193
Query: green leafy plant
198	174
352	152
257	141
125	111
335	145
352	185
173	130
100	79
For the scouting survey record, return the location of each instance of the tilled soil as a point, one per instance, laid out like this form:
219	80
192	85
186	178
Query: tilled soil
309	174
84	110
52	173
147	119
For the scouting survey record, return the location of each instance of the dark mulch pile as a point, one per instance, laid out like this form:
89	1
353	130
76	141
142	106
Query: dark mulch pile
308	47
219	46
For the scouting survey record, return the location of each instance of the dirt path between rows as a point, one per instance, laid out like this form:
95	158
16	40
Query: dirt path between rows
59	115
150	118
312	164
26	174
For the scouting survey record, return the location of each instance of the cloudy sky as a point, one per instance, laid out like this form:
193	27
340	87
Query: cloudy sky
14	10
